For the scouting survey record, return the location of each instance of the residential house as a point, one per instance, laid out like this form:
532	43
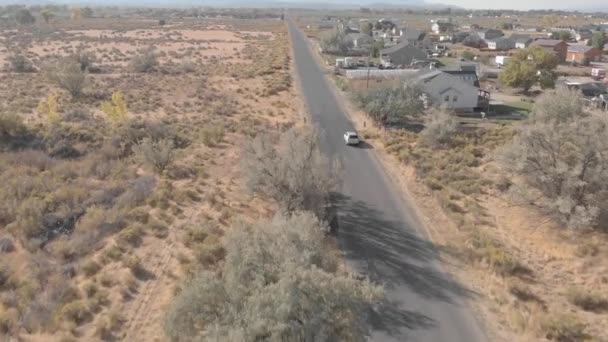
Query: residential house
397	31
465	75
500	43
581	53
458	37
559	47
448	90
527	28
360	40
583	35
442	27
489	34
521	41
413	37
402	54
327	24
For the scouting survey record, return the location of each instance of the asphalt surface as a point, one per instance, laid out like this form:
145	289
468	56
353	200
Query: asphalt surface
379	233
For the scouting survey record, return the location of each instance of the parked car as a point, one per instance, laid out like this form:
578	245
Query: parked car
351	138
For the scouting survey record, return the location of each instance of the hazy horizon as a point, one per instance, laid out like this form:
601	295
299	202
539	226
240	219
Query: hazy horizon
584	5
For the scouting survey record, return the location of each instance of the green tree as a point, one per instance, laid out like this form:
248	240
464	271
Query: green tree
367	28
562	35
598	40
393	104
87	12
528	67
280	282
376	48
336	42
47	15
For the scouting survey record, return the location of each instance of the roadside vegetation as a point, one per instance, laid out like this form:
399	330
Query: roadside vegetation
548	168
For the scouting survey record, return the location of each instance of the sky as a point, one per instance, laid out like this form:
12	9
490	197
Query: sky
527	4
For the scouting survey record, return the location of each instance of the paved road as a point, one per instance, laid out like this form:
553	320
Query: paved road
378	231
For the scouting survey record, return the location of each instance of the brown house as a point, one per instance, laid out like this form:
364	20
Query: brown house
557	46
580	53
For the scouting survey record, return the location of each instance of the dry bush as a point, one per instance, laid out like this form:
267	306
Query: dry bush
158	154
90	268
144	61
587	300
212	135
76	312
562	153
286	266
20	63
294	174
13	132
6	245
439	128
562	328
68	76
393	104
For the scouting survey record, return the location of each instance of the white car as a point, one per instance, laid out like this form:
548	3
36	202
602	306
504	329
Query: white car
351	138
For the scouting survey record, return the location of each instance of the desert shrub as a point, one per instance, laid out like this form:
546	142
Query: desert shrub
20	63
439	128
116	110
76	312
68	76
90	267
9	321
84	59
392	104
587	300
212	135
13	132
130	235
144	61
6	245
562	153
295	174
286	268
562	328
158	154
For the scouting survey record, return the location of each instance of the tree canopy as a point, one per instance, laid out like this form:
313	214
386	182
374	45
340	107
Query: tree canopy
528	67
393	104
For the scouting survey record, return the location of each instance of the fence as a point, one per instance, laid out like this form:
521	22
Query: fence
378	74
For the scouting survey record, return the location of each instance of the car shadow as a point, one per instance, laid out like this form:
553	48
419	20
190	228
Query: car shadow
396	257
364	145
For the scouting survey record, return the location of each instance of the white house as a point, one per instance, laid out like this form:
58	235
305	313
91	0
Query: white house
502	60
500	43
448	90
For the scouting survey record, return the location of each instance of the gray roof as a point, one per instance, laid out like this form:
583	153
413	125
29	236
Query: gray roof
520	38
547	42
579	48
437	82
412	34
394	48
498	39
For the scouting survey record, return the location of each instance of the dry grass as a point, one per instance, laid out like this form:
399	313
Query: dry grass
120	223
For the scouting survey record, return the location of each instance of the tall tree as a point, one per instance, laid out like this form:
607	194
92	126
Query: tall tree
528	67
598	40
47	15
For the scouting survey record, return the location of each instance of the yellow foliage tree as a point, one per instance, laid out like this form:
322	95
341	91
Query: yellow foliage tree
115	109
48	107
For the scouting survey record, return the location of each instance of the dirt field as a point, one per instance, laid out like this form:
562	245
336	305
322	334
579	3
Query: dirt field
217	83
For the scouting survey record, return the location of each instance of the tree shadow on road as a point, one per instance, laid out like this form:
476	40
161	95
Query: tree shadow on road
396	256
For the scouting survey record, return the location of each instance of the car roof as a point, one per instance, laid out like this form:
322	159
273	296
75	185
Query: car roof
351	133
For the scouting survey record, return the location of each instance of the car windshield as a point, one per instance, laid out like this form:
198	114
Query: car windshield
352	136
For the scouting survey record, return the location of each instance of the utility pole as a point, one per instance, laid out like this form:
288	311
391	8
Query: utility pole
368	71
